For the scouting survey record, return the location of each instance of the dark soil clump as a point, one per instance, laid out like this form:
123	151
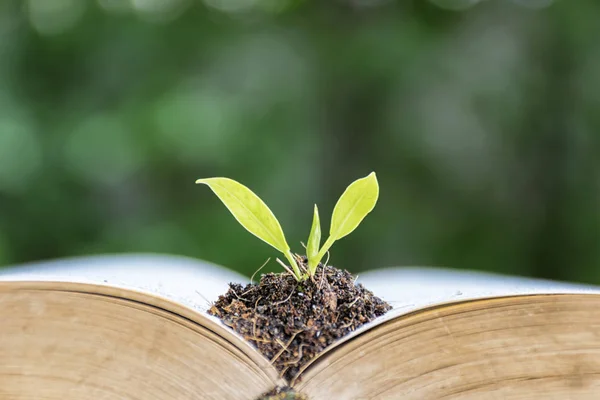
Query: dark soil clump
291	322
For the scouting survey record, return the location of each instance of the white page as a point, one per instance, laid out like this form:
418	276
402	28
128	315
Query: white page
188	281
409	288
196	283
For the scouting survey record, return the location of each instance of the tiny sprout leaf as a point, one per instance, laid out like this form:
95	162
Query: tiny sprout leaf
249	210
353	206
314	241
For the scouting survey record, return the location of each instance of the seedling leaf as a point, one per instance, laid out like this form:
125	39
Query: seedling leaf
314	241
353	206
249	210
252	213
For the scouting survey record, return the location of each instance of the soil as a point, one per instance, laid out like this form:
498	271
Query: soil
291	322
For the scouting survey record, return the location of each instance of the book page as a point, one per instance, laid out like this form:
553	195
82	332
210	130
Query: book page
411	288
518	347
187	281
134	316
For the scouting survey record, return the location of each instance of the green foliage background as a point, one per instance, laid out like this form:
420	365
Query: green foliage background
482	124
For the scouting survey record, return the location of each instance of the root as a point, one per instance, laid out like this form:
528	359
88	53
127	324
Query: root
261	267
285	346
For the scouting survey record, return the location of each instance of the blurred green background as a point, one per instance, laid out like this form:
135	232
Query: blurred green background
481	120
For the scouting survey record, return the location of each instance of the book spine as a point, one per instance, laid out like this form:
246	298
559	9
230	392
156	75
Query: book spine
283	393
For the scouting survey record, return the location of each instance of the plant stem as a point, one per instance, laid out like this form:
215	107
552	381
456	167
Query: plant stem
313	268
297	273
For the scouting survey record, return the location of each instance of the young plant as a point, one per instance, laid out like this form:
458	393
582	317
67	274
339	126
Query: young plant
252	213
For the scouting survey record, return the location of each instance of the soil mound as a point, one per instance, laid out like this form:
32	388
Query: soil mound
291	322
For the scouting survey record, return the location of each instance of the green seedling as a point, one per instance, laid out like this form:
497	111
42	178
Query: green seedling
253	214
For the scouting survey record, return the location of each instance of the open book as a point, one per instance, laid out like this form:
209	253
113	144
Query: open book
136	327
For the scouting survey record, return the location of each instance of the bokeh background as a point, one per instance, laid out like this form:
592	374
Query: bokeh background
481	119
